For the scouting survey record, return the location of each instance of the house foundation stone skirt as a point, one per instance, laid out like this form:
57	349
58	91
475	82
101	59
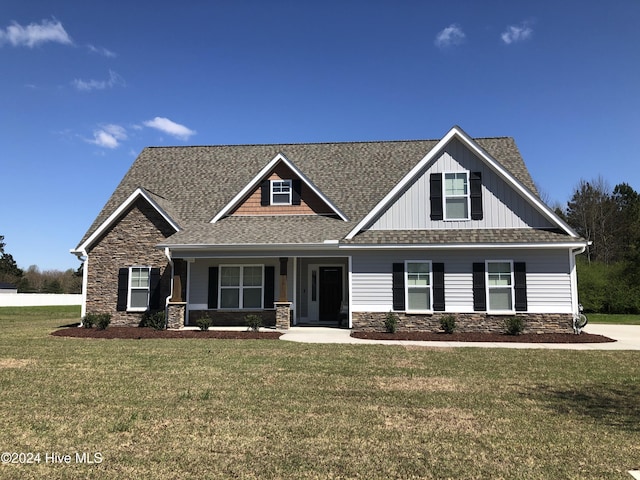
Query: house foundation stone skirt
465	322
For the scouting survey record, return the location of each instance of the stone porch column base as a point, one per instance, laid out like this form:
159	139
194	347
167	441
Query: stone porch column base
176	313
283	315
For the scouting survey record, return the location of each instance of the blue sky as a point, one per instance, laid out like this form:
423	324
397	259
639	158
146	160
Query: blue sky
85	86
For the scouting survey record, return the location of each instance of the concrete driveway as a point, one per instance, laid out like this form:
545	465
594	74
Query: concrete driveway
627	338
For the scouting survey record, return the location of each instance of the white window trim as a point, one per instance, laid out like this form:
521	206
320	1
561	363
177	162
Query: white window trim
406	286
289	183
488	288
240	287
445	196
130	288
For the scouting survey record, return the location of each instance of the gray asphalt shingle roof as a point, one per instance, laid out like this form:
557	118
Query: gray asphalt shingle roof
193	183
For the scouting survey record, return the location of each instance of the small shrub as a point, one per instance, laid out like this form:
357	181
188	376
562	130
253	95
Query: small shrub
514	325
448	323
155	320
89	320
254	322
391	322
103	321
204	323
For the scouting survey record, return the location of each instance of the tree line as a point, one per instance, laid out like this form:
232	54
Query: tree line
609	270
33	280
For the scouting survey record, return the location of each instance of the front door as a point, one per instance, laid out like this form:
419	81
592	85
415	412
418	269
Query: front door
330	293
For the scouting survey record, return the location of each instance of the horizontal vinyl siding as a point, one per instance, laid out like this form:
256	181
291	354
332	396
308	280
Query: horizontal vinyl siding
548	278
502	206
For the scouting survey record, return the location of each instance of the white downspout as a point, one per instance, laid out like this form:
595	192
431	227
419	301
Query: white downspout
84	258
574	277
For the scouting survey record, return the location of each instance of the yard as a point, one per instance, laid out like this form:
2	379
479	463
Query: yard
185	408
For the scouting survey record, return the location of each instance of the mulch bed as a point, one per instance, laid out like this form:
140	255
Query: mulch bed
138	333
485	337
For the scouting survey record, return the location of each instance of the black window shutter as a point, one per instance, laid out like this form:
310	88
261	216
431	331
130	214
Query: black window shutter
154	284
212	302
123	289
479	292
435	196
438	287
398	286
520	283
269	285
297	190
265	193
476	195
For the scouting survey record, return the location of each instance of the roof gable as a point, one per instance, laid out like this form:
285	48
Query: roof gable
152	199
264	173
456	133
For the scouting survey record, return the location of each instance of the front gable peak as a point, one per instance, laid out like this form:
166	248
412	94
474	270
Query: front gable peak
279	188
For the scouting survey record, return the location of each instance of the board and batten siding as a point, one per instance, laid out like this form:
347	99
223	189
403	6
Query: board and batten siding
548	278
503	207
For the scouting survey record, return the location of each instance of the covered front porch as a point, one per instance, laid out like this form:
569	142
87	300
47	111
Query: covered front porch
305	289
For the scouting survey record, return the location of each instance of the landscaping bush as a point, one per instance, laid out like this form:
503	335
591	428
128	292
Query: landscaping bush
514	325
155	320
391	322
204	323
89	320
254	322
103	320
448	323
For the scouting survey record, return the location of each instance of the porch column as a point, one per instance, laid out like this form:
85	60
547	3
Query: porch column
177	307
283	315
283	279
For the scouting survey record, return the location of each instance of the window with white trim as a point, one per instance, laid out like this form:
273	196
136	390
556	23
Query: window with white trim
500	286
241	286
418	286
281	192
456	196
139	286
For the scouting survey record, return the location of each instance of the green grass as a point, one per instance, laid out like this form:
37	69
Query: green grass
614	319
197	408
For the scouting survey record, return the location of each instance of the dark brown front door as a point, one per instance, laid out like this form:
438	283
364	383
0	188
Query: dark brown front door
330	287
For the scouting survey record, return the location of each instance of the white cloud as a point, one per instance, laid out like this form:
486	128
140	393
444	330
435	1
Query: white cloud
35	34
88	85
452	35
170	128
109	136
101	51
517	33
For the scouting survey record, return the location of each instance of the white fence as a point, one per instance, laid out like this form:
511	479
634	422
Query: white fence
39	299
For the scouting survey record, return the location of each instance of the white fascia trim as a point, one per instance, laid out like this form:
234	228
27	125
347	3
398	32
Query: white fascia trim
464	246
258	178
457	132
139	192
257	246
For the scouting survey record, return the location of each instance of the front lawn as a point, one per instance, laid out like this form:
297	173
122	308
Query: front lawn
201	408
614	319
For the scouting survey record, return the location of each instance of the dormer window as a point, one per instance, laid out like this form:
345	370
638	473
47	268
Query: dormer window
281	192
456	196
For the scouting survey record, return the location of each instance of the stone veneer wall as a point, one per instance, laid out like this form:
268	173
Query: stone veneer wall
131	241
465	322
176	314
232	319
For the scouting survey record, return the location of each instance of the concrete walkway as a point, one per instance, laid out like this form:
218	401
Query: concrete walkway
627	338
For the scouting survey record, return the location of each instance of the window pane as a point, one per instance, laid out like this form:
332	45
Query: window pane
499	274
139	298
419	299
139	277
457	208
229	298
418	274
455	184
252	277
252	298
281	198
230	276
500	299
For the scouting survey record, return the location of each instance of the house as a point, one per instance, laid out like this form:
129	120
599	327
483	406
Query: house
312	233
8	288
